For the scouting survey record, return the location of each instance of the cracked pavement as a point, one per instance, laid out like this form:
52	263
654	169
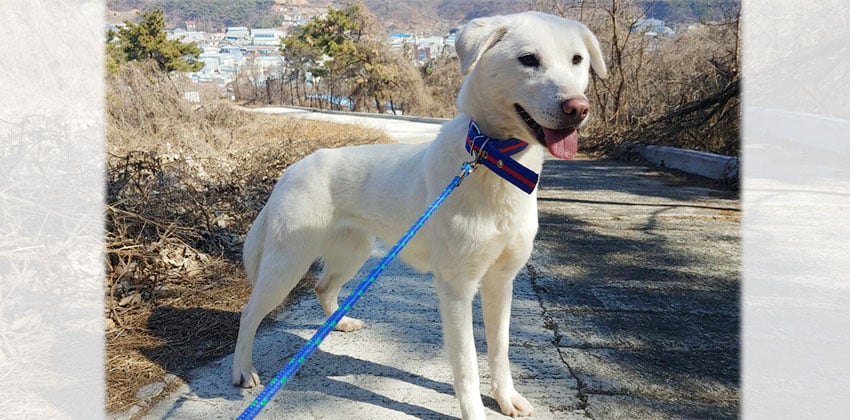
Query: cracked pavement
638	273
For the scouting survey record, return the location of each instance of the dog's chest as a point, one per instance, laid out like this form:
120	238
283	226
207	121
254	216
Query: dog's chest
493	213
502	205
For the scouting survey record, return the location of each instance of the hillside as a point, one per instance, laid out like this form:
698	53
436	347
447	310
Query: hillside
437	16
428	16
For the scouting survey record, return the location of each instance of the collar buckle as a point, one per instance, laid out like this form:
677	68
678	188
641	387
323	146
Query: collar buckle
496	155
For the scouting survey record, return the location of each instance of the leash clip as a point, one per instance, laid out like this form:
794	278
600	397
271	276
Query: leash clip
469	166
466	168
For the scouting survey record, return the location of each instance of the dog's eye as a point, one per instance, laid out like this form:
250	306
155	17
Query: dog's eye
577	59
529	60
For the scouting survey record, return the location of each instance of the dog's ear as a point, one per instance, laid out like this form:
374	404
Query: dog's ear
597	62
476	37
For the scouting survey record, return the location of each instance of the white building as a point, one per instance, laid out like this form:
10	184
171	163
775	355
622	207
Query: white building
187	36
268	37
430	47
212	62
237	33
652	27
267	62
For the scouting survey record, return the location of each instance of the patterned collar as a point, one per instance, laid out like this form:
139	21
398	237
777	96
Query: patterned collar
496	155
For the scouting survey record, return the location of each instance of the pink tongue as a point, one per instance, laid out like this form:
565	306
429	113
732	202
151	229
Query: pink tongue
562	143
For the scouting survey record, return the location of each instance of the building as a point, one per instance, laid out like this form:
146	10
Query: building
450	40
187	36
398	40
266	37
237	33
651	27
269	65
430	47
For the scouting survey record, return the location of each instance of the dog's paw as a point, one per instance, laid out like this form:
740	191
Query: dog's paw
246	379
514	405
347	324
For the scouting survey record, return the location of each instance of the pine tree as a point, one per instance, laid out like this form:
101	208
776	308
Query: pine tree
147	40
345	49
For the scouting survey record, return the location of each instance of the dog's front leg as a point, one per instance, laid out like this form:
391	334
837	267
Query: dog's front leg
496	294
456	312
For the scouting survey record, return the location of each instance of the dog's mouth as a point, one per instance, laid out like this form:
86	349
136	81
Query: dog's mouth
562	143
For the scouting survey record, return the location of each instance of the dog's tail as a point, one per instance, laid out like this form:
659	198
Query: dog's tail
252	249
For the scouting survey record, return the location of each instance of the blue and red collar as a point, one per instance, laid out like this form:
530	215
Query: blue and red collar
496	155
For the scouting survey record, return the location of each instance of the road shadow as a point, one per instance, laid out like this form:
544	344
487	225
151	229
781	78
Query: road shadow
645	310
318	375
630	178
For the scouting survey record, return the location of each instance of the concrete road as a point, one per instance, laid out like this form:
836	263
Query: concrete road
402	130
628	309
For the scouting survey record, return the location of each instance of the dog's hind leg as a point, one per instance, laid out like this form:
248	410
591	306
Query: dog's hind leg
279	272
345	252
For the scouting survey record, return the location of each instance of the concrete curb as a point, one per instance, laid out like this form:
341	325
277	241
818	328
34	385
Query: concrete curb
709	165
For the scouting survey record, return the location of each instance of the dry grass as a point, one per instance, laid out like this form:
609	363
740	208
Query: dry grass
184	183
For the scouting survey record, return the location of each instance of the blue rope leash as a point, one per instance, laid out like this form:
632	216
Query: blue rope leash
295	363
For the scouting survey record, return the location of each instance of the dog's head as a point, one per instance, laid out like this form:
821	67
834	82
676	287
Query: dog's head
525	77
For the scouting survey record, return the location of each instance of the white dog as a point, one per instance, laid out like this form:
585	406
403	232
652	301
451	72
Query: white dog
525	75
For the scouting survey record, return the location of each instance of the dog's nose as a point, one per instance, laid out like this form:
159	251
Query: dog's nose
576	109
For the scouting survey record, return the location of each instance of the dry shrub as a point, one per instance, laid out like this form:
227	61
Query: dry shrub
442	80
690	95
680	91
185	180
